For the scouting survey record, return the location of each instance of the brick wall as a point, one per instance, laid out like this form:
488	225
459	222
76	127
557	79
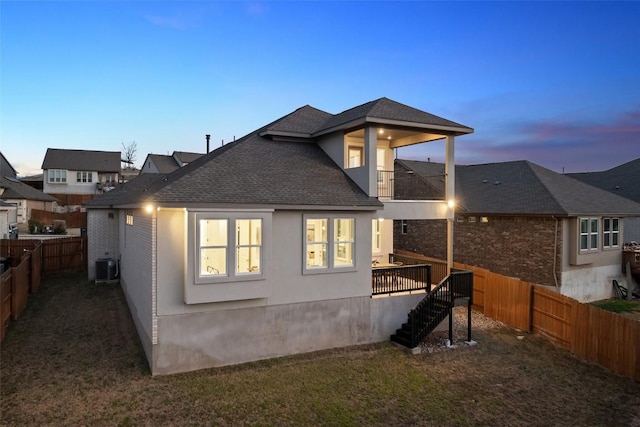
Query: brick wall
520	247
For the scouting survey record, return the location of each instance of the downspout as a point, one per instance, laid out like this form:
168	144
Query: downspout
555	251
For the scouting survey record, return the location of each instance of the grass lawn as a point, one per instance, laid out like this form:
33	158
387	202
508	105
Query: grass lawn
73	358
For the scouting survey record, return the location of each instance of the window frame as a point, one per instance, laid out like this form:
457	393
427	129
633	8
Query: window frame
360	149
57	176
84	176
232	247
610	234
376	236
332	243
590	235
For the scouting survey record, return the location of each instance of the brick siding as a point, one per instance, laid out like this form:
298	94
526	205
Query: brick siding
520	247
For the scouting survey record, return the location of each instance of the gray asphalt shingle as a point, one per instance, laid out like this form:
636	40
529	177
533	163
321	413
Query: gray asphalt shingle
524	188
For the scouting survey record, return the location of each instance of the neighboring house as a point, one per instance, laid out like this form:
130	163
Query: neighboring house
22	196
79	175
128	173
522	220
35	181
158	163
8	217
623	180
5	167
264	247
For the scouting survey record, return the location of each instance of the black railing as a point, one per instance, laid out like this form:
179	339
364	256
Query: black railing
438	304
394	279
410	186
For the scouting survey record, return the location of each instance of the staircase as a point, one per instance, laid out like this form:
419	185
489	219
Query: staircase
456	289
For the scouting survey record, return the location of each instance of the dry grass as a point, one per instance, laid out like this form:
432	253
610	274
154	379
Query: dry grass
74	359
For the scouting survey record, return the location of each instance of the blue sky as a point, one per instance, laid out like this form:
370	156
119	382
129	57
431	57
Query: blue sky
556	83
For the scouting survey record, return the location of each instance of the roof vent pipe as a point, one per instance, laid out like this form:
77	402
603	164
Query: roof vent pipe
207	137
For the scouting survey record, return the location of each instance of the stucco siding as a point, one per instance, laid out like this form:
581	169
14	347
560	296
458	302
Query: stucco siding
102	237
590	284
196	341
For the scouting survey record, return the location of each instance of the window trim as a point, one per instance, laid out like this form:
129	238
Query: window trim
56	176
360	149
376	236
84	177
590	234
231	248
611	233
331	244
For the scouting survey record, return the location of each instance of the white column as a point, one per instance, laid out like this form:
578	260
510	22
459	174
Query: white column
450	185
370	152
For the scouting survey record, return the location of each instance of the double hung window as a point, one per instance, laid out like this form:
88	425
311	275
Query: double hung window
610	232
589	234
329	243
84	176
228	248
57	176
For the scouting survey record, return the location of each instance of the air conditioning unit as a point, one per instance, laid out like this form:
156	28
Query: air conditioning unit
106	269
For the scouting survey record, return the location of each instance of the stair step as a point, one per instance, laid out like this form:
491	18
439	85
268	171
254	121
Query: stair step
402	341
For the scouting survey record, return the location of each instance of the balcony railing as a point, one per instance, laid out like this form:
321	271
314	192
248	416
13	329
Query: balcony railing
410	186
391	279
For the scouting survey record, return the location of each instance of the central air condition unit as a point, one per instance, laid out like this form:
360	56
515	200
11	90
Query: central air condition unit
106	269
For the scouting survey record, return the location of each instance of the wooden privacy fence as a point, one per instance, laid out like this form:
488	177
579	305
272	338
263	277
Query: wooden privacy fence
76	219
29	261
596	335
59	255
17	283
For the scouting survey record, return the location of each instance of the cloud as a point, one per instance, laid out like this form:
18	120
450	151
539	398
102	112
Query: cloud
570	145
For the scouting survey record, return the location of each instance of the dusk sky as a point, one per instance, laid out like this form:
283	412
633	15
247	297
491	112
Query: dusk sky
556	83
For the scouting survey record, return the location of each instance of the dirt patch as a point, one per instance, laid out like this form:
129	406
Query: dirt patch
73	358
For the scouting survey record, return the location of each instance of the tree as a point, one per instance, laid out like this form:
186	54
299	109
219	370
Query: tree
129	153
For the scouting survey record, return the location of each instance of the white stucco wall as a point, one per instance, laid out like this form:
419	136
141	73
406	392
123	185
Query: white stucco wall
102	237
301	313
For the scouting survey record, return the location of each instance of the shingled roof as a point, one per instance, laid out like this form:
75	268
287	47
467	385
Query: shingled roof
385	110
84	160
524	188
253	171
623	180
14	189
307	122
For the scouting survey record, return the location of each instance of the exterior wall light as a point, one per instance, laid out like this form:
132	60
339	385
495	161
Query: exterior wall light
149	208
451	203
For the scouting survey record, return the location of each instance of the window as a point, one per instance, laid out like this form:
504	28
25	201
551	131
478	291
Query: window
376	237
129	217
108	178
589	234
329	243
83	176
248	245
356	156
344	242
228	247
316	252
405	226
213	247
57	176
610	232
381	166
484	219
